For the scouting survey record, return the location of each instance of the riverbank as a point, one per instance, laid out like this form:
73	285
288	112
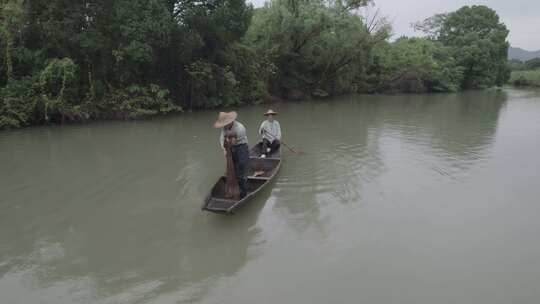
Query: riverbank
82	116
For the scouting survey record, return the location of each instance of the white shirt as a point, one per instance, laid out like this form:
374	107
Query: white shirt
271	127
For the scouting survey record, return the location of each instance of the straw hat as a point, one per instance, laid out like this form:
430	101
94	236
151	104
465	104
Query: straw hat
270	112
224	119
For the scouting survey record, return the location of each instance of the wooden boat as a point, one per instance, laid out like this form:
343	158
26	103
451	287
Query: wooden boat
261	171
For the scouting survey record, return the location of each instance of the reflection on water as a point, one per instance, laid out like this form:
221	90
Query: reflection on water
101	208
347	140
389	187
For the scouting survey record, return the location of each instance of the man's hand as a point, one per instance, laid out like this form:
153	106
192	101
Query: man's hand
224	152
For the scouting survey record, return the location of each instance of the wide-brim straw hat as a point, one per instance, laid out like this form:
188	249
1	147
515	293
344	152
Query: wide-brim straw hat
224	119
270	112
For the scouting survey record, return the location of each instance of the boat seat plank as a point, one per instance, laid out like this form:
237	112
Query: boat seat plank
218	204
223	201
270	158
259	178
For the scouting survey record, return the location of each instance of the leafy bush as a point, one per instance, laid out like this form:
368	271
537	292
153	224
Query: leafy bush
212	85
526	78
58	84
252	72
416	65
135	102
19	103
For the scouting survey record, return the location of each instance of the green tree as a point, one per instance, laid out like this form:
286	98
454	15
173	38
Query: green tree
317	49
210	29
63	60
478	40
532	64
11	22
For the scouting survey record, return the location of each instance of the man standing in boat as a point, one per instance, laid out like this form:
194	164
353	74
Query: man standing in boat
270	131
234	134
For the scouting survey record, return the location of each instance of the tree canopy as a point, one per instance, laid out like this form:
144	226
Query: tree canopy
478	41
66	61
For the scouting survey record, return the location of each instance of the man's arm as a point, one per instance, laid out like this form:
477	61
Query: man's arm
261	128
278	134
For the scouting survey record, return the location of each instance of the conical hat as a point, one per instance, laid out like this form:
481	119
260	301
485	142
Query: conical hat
270	112
224	119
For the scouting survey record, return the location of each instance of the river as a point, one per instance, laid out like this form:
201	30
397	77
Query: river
396	199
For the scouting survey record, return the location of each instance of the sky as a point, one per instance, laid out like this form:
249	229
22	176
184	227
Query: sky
522	17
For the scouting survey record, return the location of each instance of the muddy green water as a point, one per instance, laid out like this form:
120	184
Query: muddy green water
398	199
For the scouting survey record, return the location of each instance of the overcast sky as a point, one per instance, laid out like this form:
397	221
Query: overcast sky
522	17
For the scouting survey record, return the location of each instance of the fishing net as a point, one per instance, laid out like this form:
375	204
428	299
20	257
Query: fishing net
232	190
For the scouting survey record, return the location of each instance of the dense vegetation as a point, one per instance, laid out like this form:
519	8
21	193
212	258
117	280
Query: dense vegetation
64	61
526	73
529	78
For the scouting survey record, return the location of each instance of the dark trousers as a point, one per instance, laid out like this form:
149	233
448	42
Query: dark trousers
240	156
272	145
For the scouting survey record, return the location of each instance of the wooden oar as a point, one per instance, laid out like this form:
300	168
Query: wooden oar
283	143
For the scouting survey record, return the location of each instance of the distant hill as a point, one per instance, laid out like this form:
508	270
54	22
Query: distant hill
521	54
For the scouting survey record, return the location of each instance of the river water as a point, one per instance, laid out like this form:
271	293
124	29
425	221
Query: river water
397	199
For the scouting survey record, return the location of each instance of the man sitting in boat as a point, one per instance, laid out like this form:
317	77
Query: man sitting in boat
270	131
234	133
